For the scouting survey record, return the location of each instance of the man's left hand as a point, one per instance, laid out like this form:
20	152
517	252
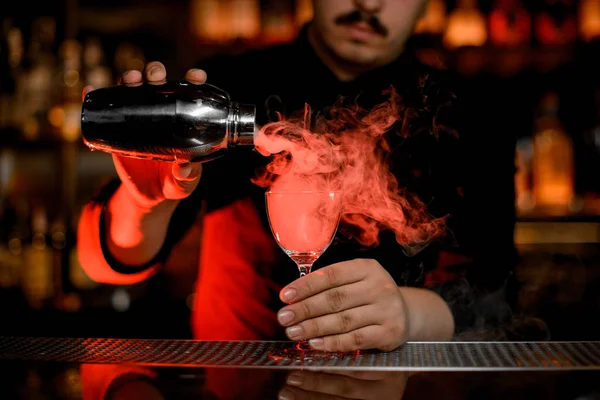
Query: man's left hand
339	384
352	305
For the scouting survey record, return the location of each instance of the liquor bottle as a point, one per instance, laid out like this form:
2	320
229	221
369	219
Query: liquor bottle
95	72
68	274
278	25
34	94
434	20
304	12
510	24
553	164
525	200
466	26
68	88
10	244
37	271
556	23
245	19
177	121
592	150
589	19
128	57
208	20
11	51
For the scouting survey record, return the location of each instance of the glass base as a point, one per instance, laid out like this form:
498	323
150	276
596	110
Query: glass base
304	261
302	353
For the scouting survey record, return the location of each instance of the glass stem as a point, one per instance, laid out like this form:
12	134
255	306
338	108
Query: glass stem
304	269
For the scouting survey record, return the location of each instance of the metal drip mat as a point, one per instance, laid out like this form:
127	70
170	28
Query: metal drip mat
259	354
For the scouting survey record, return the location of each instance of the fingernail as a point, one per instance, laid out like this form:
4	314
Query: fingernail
185	170
127	72
295	379
295	332
318	342
286	394
285	317
288	295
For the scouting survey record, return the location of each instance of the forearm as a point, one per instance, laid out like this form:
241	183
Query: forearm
135	235
429	317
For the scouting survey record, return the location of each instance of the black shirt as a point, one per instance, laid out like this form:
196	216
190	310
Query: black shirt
430	162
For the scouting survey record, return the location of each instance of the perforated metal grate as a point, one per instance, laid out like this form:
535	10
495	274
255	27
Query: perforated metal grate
412	356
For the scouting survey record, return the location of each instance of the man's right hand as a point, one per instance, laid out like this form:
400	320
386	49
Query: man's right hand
149	183
140	210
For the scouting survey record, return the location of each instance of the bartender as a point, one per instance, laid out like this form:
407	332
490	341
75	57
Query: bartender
356	298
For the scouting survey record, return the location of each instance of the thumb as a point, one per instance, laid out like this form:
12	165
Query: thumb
187	172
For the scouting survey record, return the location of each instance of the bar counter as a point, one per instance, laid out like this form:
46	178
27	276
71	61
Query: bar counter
96	368
141	355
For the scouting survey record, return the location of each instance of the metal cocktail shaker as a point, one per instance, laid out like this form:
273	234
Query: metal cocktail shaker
177	121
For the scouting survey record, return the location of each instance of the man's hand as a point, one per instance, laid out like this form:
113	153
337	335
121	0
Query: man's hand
344	385
149	183
140	210
353	305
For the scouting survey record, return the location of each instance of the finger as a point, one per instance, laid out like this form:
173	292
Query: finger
155	73
368	337
196	76
335	275
334	324
292	393
86	90
175	189
328	302
132	78
187	172
332	384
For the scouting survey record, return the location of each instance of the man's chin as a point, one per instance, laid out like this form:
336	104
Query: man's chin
357	54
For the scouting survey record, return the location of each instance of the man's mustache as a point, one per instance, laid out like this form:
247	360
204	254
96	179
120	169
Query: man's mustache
357	16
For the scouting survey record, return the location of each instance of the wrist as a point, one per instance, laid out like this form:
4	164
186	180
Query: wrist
124	204
428	316
128	221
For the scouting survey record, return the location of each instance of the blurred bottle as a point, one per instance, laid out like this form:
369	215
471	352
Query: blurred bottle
58	240
435	19
304	12
556	23
77	276
128	57
70	86
525	200
69	278
208	20
95	70
34	87
11	55
17	225
245	19
37	277
20	232
5	81
10	253
553	164
278	25
466	25
510	24
592	148
589	19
